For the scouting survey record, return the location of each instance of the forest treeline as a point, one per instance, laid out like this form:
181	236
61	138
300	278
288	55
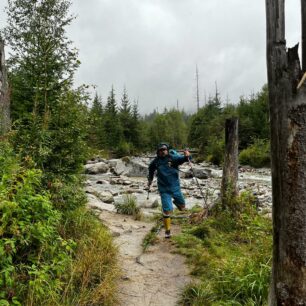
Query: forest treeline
116	126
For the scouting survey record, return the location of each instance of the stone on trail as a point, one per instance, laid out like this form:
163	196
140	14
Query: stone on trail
105	196
94	203
96	168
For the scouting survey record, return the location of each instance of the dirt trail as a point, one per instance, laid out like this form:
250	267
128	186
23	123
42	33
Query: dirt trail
155	277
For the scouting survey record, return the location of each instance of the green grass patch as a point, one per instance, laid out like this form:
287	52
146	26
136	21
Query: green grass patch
151	237
129	207
231	255
93	275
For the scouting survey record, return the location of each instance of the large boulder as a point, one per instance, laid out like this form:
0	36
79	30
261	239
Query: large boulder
137	168
198	172
96	168
118	166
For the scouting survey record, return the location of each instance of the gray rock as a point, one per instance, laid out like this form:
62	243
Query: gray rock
198	172
94	203
118	167
137	168
105	196
96	168
201	173
102	182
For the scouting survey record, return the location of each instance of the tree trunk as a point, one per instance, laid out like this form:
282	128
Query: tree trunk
4	94
230	166
303	2
288	151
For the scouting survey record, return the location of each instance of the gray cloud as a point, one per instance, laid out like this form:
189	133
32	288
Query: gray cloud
153	46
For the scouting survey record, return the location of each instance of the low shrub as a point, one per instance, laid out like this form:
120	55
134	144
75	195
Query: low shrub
257	155
33	255
215	150
124	148
52	250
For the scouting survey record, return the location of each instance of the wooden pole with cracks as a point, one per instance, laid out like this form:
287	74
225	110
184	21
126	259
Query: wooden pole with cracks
287	106
5	122
230	168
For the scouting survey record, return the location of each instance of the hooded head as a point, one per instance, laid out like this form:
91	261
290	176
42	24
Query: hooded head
162	149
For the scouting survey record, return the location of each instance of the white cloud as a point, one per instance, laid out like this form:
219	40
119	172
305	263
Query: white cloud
153	46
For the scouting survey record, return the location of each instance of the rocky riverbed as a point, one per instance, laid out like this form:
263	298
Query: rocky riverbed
107	181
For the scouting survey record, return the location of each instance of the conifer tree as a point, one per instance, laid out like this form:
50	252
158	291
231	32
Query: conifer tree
126	119
96	130
136	128
111	123
42	62
52	116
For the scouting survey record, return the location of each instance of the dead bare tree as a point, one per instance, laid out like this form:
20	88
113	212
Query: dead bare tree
230	167
287	103
4	94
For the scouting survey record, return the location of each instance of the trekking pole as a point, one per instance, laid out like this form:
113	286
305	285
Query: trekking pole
149	190
198	184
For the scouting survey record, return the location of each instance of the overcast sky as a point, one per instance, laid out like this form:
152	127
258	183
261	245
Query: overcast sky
153	46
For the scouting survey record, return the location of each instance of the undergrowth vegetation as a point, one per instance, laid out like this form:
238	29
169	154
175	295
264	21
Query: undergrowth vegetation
231	255
50	256
256	155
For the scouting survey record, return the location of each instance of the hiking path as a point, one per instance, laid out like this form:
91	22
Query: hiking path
154	277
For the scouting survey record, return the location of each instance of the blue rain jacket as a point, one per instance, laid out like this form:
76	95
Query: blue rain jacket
167	172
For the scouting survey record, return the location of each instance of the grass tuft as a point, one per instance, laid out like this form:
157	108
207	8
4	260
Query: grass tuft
129	207
151	237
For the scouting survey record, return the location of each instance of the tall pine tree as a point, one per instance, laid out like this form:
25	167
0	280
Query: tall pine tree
52	116
96	130
126	118
43	61
111	122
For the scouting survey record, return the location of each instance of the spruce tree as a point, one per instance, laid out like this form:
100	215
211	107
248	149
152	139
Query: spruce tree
96	130
111	123
136	127
52	116
126	118
43	62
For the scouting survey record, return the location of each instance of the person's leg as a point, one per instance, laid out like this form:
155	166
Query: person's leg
178	200
167	210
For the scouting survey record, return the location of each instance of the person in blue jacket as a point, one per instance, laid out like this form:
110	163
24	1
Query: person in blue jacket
168	181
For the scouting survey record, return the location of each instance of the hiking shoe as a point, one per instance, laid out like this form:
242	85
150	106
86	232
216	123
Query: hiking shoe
167	234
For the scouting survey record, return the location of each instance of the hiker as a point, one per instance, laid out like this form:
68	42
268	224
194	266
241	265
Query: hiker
168	181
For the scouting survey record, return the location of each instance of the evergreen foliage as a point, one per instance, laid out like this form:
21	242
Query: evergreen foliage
253	118
206	127
170	127
42	62
96	135
111	122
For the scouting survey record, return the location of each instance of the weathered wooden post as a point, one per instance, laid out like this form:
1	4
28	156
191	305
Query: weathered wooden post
230	166
4	93
288	153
